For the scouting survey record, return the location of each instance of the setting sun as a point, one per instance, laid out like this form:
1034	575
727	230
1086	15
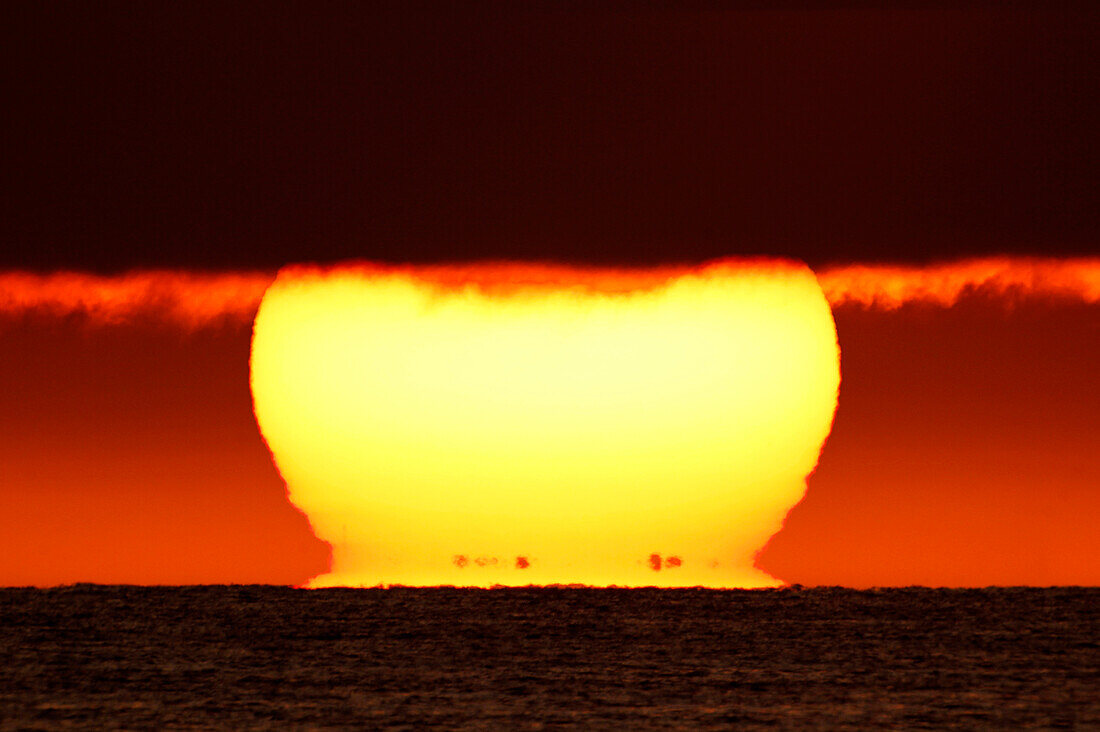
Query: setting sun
513	425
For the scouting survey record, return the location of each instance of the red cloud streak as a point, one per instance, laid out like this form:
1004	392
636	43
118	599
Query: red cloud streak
888	287
196	300
188	299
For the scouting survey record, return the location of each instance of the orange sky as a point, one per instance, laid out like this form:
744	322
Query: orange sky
963	451
130	454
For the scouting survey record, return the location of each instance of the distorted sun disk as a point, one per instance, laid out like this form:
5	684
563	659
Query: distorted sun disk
513	424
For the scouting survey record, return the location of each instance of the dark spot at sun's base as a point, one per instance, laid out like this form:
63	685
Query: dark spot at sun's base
460	560
656	562
522	563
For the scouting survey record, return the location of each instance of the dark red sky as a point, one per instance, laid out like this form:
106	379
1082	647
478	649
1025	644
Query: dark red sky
209	134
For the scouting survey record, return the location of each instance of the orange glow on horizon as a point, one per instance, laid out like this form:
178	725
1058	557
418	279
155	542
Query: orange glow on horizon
518	424
960	456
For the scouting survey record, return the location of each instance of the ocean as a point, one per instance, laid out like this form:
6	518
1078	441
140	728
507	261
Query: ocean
245	657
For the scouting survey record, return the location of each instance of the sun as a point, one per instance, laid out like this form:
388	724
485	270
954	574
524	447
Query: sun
514	424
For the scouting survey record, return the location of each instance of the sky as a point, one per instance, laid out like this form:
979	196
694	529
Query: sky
201	139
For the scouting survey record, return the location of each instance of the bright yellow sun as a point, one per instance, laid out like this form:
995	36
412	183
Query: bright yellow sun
513	424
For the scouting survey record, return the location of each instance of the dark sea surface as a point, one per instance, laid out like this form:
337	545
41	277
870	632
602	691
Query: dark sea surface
248	656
